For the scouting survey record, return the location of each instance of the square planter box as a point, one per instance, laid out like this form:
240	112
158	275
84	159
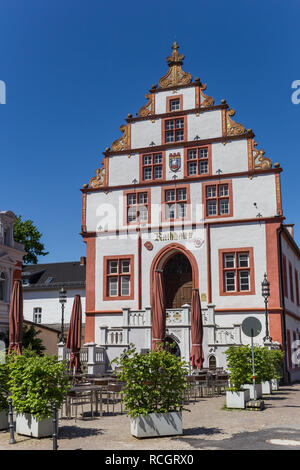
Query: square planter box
250	387
237	399
275	384
3	420
267	387
157	425
27	425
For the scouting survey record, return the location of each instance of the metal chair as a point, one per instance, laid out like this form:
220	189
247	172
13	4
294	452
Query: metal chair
114	397
75	399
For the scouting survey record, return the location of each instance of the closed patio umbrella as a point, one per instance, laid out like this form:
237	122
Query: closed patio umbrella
16	318
158	310
196	355
74	334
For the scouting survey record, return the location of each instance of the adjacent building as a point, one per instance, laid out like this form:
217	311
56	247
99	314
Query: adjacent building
41	286
187	190
11	255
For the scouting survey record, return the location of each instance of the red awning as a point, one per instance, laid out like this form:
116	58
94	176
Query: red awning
74	334
16	318
158	310
196	356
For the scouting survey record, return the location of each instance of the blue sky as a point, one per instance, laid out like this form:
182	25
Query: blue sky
75	69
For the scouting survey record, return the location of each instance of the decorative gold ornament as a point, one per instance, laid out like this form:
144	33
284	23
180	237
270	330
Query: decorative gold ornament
207	100
175	76
148	107
123	143
258	159
233	128
101	176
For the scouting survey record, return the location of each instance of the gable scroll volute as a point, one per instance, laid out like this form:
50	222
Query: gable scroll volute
206	101
259	162
232	127
123	142
101	177
148	108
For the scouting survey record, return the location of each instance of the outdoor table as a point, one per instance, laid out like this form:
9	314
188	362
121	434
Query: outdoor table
87	388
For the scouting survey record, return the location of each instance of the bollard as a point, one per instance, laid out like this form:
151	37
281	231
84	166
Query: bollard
54	434
11	422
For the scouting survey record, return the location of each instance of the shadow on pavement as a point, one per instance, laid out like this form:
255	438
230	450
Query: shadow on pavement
201	431
66	432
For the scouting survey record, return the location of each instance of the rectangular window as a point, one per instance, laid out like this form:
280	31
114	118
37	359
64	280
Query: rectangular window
151	167
118	277
175	203
284	275
137	207
37	315
236	271
173	130
175	105
291	281
217	199
197	161
297	287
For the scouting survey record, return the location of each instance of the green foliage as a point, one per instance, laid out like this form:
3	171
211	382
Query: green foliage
3	387
276	358
26	233
267	364
239	365
154	382
36	382
31	341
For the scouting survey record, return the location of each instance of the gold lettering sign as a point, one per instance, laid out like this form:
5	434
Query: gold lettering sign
167	236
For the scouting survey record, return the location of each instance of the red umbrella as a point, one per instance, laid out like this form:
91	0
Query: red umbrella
158	310
74	334
196	356
16	318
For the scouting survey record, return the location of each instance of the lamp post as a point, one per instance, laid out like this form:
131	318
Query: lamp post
62	300
265	286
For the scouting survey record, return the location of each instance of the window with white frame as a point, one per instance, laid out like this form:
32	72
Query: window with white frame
119	277
236	272
37	315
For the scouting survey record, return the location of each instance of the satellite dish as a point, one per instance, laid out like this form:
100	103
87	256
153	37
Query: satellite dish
251	326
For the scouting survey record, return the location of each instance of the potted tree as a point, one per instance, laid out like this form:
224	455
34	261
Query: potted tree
238	365
276	358
35	384
267	370
154	386
3	396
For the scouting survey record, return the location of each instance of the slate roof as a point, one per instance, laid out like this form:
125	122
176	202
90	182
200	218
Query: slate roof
53	275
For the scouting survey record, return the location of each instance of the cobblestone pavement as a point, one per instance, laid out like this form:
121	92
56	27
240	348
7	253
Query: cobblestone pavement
207	426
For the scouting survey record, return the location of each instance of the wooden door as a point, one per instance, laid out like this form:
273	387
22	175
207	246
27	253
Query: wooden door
178	282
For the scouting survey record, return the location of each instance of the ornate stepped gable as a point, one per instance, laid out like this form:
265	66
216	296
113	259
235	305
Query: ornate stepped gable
173	78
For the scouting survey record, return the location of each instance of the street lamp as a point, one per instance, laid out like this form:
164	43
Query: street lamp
62	300
265	292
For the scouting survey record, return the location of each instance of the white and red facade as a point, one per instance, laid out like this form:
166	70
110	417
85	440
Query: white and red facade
186	190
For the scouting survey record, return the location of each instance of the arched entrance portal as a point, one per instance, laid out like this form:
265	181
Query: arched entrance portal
178	280
173	276
166	254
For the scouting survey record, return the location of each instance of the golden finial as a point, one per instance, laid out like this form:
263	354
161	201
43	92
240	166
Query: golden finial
175	76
